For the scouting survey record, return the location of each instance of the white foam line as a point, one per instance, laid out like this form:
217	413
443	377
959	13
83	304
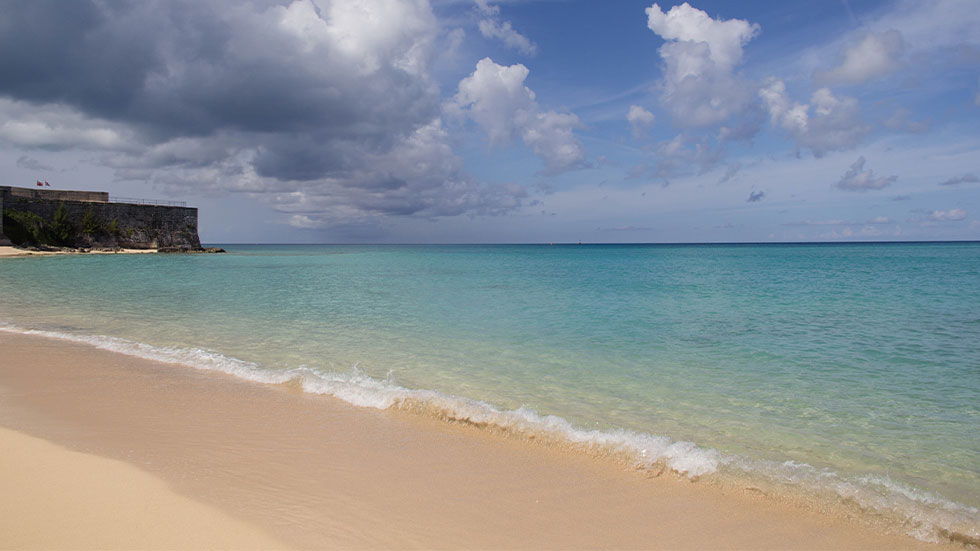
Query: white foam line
924	515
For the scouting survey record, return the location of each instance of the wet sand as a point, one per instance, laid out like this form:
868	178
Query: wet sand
314	472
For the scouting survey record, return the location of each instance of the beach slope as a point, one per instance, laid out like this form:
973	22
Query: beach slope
54	498
166	446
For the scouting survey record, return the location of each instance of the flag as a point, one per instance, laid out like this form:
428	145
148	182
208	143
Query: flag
46	183
39	184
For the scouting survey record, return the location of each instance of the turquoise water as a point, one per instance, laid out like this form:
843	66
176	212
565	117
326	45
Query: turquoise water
850	372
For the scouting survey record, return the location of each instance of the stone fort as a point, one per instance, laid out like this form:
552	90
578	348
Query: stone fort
41	216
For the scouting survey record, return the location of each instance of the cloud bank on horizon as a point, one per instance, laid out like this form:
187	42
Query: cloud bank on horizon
516	121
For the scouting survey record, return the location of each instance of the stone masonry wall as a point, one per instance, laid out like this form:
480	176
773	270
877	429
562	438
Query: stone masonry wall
112	224
3	238
56	194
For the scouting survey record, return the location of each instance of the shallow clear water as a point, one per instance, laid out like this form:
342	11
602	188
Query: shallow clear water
858	360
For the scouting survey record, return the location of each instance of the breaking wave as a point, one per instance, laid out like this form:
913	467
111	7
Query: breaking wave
878	499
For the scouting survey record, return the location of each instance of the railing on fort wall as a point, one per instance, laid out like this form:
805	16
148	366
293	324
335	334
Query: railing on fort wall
155	202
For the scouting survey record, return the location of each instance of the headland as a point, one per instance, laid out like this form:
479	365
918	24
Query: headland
45	220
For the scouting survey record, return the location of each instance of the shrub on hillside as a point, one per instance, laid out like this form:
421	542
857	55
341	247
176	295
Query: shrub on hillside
24	228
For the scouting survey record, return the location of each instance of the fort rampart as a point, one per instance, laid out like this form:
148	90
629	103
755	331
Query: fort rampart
88	219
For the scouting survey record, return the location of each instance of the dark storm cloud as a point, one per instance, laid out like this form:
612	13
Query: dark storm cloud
31	163
260	96
72	52
301	157
187	68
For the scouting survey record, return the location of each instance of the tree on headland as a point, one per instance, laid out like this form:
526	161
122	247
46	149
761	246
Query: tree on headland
90	223
61	229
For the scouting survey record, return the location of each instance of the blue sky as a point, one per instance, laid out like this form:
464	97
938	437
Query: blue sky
510	121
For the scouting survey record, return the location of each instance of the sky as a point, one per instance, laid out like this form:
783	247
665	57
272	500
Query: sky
518	121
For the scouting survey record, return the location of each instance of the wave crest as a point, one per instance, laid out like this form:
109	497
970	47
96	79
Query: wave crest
921	514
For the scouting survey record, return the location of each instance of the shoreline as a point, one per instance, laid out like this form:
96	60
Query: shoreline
18	252
7	251
313	471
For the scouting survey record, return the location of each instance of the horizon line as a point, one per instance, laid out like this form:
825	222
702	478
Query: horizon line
585	243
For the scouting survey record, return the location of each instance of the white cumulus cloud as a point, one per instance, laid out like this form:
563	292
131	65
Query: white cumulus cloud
640	119
684	23
492	27
950	215
827	123
875	55
700	55
495	97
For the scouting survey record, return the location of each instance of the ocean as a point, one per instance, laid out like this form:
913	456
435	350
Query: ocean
844	375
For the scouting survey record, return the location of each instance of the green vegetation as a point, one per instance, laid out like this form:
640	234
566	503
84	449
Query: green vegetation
24	227
90	224
71	224
61	228
27	228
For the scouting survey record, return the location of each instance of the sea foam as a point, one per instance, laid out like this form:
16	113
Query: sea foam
918	513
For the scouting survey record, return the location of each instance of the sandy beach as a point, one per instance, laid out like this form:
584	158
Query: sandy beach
55	498
273	467
14	252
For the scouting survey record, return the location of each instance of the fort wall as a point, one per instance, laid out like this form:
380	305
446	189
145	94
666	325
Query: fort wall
28	217
56	194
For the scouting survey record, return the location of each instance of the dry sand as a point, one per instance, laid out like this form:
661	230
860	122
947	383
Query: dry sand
53	498
317	473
